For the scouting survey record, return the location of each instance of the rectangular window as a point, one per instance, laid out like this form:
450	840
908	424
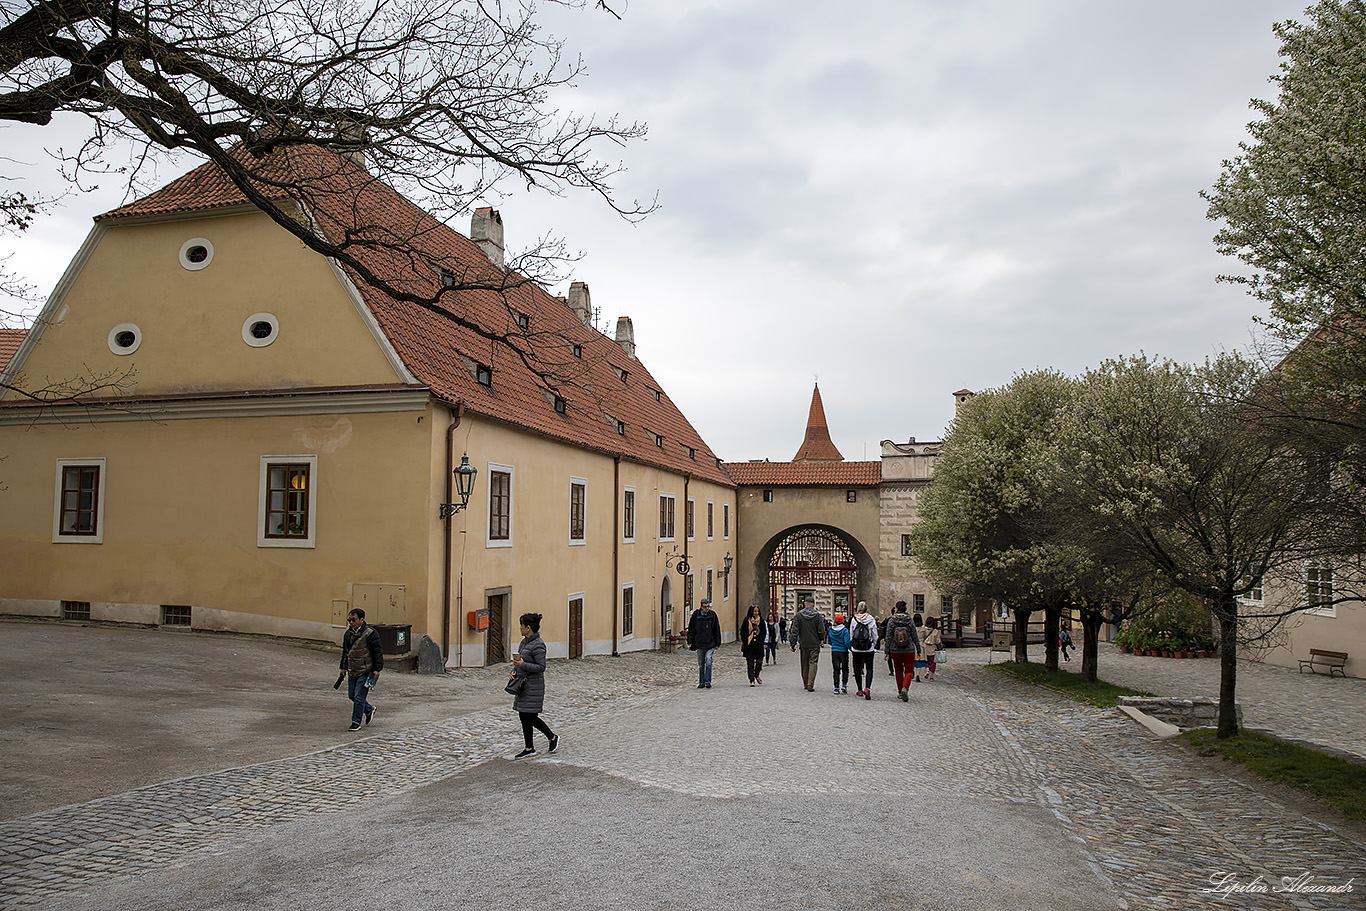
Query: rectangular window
725	586
946	604
1318	589
711	520
690	518
709	581
687	593
906	545
287	514
628	515
80	501
628	611
666	517
578	509
851	496
725	521
768	495
919	601
75	610
500	506
175	615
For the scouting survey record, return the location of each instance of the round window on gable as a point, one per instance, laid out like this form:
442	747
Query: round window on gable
125	338
196	253
260	330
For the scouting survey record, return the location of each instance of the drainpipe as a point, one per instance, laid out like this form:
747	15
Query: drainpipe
457	412
686	479
616	551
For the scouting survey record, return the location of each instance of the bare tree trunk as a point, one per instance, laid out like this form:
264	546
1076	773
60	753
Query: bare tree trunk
1228	665
1090	646
1022	635
1051	617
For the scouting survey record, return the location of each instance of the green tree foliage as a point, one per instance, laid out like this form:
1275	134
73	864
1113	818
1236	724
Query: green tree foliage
1293	208
975	534
1162	459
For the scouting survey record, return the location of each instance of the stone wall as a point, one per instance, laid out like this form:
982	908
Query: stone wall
1196	712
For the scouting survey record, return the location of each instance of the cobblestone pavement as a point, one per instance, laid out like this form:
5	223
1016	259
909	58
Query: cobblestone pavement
992	765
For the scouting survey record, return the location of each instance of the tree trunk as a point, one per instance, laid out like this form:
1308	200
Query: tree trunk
1090	646
1022	636
1227	611
1051	616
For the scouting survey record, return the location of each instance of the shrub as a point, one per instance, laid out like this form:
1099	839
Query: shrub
1176	625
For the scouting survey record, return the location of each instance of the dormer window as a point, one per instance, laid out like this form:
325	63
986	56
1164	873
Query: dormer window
621	428
578	350
622	373
659	441
523	321
484	375
692	453
559	405
447	278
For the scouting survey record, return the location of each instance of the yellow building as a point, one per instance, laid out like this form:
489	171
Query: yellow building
264	440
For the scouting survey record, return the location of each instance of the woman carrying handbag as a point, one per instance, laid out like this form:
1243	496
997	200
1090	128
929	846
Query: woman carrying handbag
527	684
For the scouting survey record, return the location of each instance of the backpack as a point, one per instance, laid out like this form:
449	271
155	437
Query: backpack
901	636
861	640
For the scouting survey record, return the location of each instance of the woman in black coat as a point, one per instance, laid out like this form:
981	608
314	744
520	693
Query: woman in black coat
753	632
529	665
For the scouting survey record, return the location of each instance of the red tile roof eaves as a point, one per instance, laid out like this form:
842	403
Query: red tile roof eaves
10	340
805	474
441	353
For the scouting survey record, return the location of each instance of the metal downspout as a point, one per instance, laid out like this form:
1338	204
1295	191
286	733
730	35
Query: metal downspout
616	551
457	413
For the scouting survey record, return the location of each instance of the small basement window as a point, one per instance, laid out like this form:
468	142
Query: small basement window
75	610
175	615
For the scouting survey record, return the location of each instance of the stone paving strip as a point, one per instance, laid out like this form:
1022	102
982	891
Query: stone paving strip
71	847
1153	824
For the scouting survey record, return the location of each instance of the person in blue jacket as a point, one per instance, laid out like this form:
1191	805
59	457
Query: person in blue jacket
838	637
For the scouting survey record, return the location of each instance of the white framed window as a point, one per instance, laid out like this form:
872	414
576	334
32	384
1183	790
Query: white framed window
666	516
1318	589
690	518
286	513
628	515
711	519
196	253
260	330
725	521
628	610
125	338
78	504
578	510
500	478
725	586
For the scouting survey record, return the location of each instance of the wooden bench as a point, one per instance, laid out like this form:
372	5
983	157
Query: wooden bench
1319	657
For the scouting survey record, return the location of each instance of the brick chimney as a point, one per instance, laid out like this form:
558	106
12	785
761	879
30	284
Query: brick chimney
486	230
626	336
581	302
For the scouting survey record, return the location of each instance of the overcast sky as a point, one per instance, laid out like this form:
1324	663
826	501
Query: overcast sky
901	197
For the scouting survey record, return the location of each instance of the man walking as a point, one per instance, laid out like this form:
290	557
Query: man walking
362	660
704	635
902	643
808	633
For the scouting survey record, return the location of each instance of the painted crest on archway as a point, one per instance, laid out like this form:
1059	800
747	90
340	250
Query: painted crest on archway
812	561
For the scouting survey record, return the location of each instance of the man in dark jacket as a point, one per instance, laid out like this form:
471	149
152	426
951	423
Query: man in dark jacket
362	660
808	633
704	635
902	643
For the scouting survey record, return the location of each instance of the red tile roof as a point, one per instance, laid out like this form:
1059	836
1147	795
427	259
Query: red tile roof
10	340
805	474
817	446
443	354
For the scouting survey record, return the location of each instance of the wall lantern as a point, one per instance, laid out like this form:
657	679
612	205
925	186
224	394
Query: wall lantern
727	563
464	486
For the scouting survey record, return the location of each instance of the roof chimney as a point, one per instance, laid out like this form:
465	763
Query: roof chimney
486	230
961	396
352	139
581	303
626	335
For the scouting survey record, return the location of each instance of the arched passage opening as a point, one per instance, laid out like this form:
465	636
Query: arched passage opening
823	562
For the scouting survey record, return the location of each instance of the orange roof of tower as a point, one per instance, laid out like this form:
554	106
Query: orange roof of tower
817	446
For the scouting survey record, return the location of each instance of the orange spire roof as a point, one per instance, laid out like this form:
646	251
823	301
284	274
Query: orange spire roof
817	447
